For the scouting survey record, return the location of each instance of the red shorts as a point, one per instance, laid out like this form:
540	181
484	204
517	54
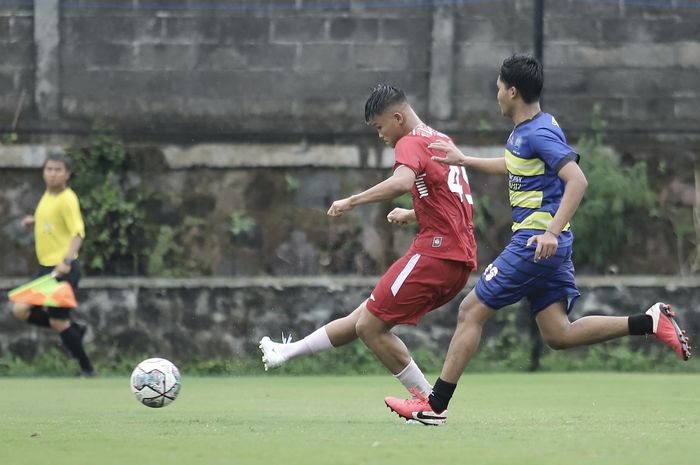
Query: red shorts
414	285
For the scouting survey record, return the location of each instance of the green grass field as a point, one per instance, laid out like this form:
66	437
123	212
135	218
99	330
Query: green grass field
513	419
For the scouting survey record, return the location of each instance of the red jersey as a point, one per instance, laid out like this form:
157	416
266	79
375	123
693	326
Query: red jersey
441	199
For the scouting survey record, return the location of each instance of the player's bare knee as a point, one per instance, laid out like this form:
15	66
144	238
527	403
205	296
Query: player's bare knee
556	342
59	324
469	316
462	316
20	311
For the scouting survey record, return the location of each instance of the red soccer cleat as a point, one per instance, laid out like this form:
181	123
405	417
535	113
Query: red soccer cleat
417	408
667	330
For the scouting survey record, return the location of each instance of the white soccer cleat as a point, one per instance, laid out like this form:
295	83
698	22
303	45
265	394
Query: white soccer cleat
271	357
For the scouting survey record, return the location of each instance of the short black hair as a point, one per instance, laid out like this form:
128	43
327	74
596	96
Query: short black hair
524	73
61	157
382	97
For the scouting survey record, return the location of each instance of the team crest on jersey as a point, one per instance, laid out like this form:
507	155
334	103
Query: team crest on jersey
437	241
554	122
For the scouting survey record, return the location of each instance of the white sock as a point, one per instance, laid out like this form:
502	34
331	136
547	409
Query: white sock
412	378
317	341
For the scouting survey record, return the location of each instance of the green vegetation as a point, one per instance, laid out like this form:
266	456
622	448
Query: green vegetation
165	247
115	235
404	201
8	138
510	353
606	419
293	182
618	197
241	223
482	204
133	229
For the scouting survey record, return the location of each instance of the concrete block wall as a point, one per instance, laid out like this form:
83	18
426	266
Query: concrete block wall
293	69
271	67
484	35
636	61
17	65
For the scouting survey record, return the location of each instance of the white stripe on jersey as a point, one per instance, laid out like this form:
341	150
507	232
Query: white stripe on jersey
404	274
420	185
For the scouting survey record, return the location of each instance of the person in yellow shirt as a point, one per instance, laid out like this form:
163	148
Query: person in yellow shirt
59	232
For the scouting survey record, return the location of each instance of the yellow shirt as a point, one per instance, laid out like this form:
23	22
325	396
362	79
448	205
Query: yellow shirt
57	221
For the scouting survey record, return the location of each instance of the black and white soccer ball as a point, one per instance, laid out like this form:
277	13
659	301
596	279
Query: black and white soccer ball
155	382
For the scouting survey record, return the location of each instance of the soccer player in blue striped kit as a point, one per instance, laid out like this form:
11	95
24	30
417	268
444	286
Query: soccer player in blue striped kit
546	186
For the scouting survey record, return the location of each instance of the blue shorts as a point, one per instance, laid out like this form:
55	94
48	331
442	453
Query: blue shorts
515	275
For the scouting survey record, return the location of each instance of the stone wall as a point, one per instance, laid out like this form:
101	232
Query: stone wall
213	318
193	193
263	69
283	190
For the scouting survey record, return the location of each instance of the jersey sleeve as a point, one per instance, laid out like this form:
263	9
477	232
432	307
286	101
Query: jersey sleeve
552	148
70	211
409	151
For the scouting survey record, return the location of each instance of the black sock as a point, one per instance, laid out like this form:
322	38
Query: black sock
441	395
640	324
73	340
38	317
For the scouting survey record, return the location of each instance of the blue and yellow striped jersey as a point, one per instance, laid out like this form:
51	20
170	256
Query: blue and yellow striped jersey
535	152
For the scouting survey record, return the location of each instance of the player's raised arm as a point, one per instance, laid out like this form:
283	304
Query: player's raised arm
399	183
454	156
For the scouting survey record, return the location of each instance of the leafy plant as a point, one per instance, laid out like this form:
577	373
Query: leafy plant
404	201
165	245
8	138
616	194
510	351
485	125
292	182
113	216
482	205
241	223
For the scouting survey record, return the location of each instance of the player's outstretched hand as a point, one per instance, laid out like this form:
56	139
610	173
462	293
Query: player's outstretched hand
28	220
547	244
453	156
339	207
401	216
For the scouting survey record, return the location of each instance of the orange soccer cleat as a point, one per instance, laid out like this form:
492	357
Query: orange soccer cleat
417	409
667	330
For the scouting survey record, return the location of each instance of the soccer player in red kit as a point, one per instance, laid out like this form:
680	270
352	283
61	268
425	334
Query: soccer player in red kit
436	266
